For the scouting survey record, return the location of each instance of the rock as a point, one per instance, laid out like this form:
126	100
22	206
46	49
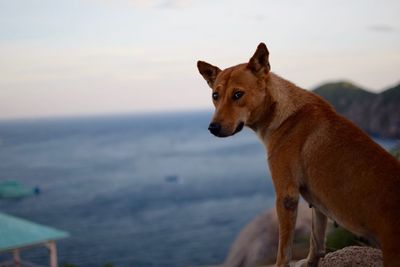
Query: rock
257	243
352	257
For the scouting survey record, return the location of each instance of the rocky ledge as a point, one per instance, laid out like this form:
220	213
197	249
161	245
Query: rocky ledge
353	256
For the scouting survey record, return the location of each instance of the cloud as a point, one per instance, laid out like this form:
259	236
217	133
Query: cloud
384	28
175	3
148	4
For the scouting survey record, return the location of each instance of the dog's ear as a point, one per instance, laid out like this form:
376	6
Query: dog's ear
259	61
208	71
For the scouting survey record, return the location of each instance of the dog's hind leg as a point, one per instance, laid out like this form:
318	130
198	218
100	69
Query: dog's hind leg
317	240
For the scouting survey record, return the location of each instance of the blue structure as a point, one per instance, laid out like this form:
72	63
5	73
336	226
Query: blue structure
17	234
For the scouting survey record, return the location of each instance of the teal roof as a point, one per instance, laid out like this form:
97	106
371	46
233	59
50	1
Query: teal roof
16	232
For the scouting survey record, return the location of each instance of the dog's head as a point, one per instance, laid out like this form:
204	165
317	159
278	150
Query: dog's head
238	93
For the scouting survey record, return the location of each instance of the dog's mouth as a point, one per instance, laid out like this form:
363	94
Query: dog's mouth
239	128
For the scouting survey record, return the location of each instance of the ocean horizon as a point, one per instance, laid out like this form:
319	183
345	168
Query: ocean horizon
136	190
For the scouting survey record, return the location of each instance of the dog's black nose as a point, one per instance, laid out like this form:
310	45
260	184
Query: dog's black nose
214	128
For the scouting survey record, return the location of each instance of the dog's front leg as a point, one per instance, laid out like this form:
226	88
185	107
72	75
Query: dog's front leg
317	240
286	206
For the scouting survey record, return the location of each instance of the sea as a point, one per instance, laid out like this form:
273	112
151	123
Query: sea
136	190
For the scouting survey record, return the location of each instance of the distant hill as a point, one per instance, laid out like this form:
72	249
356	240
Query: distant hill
377	114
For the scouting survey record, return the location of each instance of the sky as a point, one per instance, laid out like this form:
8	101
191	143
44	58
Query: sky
87	57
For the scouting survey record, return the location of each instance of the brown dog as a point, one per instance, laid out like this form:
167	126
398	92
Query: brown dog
313	152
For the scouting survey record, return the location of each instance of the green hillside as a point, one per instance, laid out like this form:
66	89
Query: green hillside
376	113
342	95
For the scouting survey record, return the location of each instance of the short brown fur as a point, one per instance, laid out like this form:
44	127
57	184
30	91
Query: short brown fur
313	152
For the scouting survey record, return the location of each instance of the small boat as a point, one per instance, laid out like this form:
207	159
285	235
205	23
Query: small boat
14	189
172	179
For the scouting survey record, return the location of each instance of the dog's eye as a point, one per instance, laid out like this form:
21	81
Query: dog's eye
215	96
237	95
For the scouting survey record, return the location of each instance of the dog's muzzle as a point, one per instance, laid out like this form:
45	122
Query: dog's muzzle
216	129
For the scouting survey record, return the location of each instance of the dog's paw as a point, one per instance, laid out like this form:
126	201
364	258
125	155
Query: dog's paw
301	263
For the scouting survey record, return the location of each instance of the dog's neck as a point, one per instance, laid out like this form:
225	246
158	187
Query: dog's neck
284	97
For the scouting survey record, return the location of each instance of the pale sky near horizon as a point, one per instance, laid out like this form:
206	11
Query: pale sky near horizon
82	57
